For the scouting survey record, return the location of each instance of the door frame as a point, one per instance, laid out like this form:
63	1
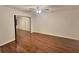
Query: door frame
15	23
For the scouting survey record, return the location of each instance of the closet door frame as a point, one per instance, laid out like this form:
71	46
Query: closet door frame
15	23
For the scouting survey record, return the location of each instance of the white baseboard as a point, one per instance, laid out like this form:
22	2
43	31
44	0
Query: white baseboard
1	44
58	35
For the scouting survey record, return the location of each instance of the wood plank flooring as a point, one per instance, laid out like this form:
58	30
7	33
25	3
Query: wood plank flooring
40	43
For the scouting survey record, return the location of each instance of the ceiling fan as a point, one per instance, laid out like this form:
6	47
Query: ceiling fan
39	9
44	8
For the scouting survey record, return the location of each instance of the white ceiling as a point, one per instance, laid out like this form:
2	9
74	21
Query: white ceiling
30	8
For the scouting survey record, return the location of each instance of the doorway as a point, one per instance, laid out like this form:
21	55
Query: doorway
22	32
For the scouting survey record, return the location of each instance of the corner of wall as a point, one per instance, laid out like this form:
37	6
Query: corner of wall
7	41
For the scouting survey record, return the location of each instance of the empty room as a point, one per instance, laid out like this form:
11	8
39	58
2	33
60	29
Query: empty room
39	28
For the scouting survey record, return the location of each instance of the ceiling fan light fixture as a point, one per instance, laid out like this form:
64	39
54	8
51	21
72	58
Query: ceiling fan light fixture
38	11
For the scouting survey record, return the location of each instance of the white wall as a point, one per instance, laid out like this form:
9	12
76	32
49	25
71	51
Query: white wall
7	33
33	22
63	23
77	32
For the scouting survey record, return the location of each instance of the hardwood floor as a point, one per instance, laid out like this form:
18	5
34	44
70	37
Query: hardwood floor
40	43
